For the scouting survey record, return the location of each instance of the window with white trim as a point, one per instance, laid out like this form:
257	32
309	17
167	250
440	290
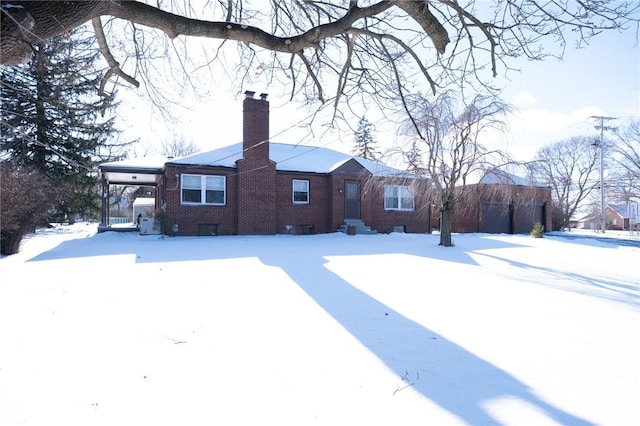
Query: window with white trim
203	189
398	197
300	190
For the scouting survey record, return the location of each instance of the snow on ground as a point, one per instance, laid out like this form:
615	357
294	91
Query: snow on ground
119	328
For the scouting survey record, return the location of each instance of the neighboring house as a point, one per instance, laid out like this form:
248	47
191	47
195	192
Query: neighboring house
590	222
258	187
581	223
503	203
622	216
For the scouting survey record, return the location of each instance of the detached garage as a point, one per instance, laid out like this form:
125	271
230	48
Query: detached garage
503	204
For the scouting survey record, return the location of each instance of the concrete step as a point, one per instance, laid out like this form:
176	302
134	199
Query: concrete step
360	227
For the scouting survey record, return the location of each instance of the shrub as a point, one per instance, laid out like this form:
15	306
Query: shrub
26	197
538	230
165	224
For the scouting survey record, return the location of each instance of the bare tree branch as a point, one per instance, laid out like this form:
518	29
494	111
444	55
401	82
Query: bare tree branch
351	48
114	66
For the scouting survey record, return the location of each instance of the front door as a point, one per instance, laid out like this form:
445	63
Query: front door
352	200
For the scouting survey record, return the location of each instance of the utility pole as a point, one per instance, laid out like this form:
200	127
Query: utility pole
599	144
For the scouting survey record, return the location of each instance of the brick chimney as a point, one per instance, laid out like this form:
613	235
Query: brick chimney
256	172
255	127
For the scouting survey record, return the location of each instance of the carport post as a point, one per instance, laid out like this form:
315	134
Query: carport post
104	206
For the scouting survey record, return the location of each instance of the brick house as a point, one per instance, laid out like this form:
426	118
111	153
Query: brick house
503	203
622	216
258	187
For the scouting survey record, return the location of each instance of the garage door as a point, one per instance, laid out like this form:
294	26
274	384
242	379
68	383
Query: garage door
528	214
496	218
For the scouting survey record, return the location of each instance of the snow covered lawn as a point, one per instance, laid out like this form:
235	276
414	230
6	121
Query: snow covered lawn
123	329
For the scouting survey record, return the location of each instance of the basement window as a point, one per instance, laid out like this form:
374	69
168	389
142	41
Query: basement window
397	197
203	189
300	191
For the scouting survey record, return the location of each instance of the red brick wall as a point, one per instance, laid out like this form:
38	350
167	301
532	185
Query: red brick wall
336	201
416	221
372	211
271	192
292	217
190	217
466	221
256	198
612	216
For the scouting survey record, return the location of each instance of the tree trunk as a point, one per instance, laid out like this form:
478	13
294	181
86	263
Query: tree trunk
446	213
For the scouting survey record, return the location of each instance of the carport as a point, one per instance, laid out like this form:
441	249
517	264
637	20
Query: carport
145	171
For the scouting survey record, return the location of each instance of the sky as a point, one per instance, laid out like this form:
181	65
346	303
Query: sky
554	100
557	98
331	329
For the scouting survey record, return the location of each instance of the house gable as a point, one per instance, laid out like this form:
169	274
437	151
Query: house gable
619	210
351	168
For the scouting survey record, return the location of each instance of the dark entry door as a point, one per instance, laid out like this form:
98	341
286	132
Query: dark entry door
352	200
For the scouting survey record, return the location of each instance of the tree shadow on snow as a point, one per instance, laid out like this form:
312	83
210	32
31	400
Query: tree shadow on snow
462	387
587	285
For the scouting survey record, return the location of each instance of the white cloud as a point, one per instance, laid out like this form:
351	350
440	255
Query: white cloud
524	99
531	129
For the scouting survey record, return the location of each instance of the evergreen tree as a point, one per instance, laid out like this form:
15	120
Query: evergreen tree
365	144
53	119
413	158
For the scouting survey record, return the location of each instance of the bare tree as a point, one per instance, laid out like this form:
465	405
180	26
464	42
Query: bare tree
623	186
626	153
448	135
570	168
343	51
178	146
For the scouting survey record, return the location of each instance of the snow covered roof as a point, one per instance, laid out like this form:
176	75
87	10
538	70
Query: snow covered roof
140	171
629	210
290	158
496	176
152	162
